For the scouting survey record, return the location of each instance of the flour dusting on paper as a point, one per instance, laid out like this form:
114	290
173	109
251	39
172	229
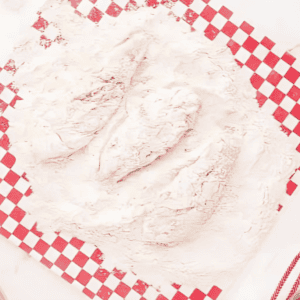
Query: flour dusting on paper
145	139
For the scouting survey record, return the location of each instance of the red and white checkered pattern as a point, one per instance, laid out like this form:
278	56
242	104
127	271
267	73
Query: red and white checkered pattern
273	72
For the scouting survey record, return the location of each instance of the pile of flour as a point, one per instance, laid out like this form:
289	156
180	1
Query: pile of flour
145	139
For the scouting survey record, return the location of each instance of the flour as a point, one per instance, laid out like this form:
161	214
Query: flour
145	139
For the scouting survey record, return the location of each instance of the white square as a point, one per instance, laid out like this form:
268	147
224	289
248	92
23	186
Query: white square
284	85
294	140
200	24
49	237
281	67
15	240
179	9
168	291
17	168
5	188
242	55
261	52
112	282
22	185
132	295
7	206
91	267
279	49
52	32
247	72
108	265
94	285
28	221
237	19
219	21
88	249
296	177
66	237
73	270
287	104
78	285
240	36
266	88
31	239
5	78
70	252
7	95
216	4
263	70
10	224
130	279
186	290
85	7
258	35
2	153
197	6
269	107
151	293
57	270
121	3
36	255
115	296
103	5
52	254
222	39
290	122
3	169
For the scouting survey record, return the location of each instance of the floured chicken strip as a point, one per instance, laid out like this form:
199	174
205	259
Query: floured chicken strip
146	139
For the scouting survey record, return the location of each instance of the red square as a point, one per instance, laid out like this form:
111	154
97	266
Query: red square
256	81
1	197
101	275
277	96
80	259
161	297
261	99
279	207
122	289
114	10
14	196
297	129
288	58
3	106
14	101
140	287
62	262
41	247
118	273
250	44
4	142
88	293
35	231
59	244
25	247
83	277
95	15
46	262
225	12
274	78
190	16
12	178
233	46
2	87
206	1
104	293
93	1
294	93
285	130
75	3
17	214
267	43
76	243
280	114
4	232
214	292
298	148
197	295
290	187
187	2
292	75
253	62
67	277
271	59
211	32
3	217
179	296
41	24
3	124
176	286
208	13
296	111
97	256
8	160
229	29
247	28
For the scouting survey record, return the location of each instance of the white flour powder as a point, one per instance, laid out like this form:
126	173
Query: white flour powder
145	139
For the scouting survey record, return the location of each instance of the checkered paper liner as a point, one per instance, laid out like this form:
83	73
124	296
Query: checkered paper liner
273	72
